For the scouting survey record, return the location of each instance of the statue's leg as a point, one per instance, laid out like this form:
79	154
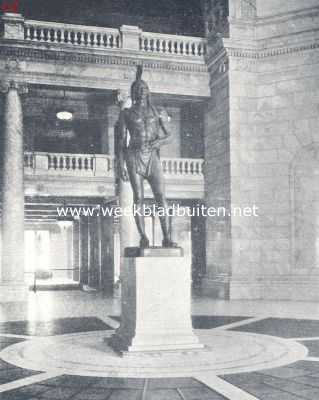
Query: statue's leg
136	181
157	183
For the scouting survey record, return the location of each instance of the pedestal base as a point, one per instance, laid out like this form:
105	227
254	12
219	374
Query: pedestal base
156	304
13	293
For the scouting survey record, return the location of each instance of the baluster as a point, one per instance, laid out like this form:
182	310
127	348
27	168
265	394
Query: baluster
94	39
72	37
187	49
162	46
73	163
59	36
158	45
104	40
49	162
80	38
67	162
86	164
118	41
61	162
80	166
92	163
112	42
181	167
31	29
65	36
84	38
164	166
55	162
46	35
53	35
39	34
181	48
185	166
165	46
27	33
145	48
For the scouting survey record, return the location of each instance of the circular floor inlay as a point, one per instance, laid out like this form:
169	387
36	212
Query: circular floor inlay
88	355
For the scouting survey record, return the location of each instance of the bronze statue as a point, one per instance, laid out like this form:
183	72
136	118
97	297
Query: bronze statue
141	154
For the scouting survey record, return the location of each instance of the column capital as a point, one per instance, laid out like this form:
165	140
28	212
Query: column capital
6	86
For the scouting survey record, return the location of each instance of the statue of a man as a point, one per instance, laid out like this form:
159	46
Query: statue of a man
140	152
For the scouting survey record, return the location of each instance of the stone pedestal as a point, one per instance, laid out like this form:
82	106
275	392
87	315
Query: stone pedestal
156	303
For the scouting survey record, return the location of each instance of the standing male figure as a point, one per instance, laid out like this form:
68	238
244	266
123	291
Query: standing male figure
141	154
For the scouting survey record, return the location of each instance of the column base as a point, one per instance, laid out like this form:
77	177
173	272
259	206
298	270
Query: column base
13	292
156	303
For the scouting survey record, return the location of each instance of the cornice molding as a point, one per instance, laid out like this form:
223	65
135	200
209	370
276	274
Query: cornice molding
259	54
287	16
27	53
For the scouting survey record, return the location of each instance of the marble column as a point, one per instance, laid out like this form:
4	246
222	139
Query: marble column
84	238
12	270
94	277
76	250
107	254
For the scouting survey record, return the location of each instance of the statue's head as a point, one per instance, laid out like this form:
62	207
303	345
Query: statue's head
140	91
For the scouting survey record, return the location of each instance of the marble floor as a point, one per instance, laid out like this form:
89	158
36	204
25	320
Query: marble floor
49	348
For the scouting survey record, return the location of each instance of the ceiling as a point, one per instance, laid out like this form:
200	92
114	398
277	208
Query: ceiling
167	16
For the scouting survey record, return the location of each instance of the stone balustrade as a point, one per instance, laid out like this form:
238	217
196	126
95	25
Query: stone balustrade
124	38
69	34
183	166
172	44
101	165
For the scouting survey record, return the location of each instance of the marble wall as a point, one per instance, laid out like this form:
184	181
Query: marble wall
273	141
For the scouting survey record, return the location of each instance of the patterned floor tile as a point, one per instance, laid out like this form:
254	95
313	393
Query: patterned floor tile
126	395
164	394
5	342
313	347
93	394
59	393
54	327
210	322
283	327
203	393
286	372
71	381
169	383
120	383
